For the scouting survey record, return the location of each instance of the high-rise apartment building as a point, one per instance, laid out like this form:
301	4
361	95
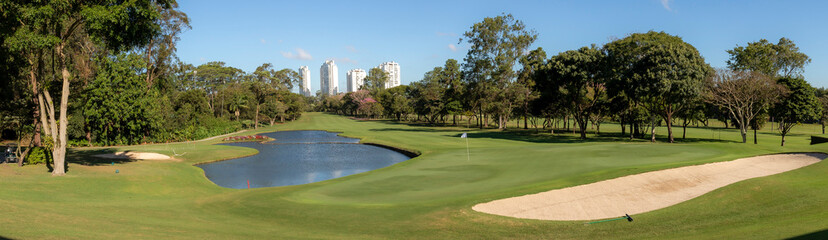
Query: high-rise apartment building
393	71
329	78
305	88
356	78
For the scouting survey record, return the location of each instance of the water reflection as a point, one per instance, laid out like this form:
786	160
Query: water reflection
299	157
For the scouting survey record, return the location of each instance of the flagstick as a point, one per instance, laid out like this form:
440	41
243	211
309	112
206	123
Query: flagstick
468	155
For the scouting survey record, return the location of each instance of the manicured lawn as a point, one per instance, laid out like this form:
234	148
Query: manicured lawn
427	197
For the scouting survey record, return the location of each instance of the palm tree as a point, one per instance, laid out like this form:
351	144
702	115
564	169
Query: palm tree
238	103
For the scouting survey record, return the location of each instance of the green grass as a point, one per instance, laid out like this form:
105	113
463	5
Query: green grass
428	197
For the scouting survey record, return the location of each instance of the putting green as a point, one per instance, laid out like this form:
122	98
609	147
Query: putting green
426	197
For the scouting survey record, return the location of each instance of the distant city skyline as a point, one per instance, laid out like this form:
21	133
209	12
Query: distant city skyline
421	35
356	78
306	88
329	78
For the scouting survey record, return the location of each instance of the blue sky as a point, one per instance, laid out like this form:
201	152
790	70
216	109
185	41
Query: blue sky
421	35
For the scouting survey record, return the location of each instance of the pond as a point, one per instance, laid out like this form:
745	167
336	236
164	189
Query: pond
299	157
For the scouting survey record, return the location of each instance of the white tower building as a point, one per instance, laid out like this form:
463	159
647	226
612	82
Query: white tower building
393	71
329	78
305	88
356	78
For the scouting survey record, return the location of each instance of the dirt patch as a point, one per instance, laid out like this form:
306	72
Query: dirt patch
135	156
643	192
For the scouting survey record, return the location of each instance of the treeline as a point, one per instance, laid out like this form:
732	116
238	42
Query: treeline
641	81
81	73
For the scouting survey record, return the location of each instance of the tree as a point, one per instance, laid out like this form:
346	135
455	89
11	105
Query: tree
396	101
212	76
823	115
451	78
160	51
117	105
582	83
261	94
375	80
496	44
744	94
533	63
428	95
57	26
799	105
662	72
775	60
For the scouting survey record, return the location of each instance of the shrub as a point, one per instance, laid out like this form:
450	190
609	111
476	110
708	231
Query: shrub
38	155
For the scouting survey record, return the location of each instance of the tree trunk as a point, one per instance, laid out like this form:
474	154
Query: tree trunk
526	122
669	126
684	129
38	107
623	129
743	131
754	137
582	124
59	152
256	118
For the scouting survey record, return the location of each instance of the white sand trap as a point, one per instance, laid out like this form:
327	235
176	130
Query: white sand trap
134	155
643	192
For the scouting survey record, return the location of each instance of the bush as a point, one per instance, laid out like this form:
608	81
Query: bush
38	155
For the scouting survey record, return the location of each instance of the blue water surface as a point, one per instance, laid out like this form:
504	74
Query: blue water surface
299	157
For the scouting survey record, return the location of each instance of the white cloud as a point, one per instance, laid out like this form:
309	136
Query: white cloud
263	41
345	60
452	47
666	4
300	54
351	49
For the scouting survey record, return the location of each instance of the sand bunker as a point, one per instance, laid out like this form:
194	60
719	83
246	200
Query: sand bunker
134	155
643	192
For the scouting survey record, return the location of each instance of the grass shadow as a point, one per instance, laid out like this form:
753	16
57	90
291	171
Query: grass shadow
814	235
412	130
543	137
88	158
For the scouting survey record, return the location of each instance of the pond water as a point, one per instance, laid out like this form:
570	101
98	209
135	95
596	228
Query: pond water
299	157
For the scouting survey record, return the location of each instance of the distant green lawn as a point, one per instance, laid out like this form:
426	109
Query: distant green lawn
428	197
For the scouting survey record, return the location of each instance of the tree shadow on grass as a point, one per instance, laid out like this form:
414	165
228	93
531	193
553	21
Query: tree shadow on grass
537	137
5	238
413	130
88	158
814	235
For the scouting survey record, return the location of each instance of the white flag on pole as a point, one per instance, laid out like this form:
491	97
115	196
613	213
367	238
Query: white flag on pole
463	136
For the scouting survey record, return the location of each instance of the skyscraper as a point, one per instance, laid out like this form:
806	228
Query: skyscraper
329	78
393	70
305	88
355	79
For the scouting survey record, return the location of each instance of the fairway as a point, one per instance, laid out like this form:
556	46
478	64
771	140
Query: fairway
428	197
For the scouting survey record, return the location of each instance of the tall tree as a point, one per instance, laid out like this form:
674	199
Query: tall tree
56	26
776	60
662	71
212	76
117	105
375	80
744	94
799	105
582	83
160	51
533	64
496	44
451	78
